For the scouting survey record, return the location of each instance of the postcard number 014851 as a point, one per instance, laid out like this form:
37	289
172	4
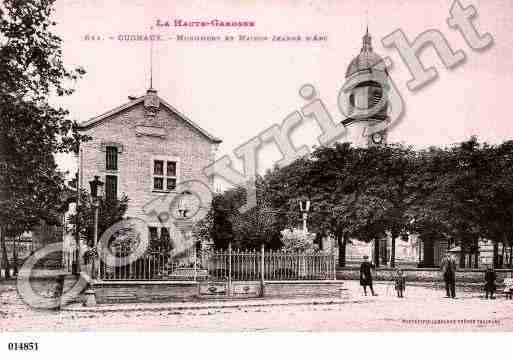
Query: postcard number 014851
23	346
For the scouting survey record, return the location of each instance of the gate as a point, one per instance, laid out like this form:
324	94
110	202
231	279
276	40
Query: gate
231	273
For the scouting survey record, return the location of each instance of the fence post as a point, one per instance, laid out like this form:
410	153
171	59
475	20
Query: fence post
333	261
229	268
195	265
262	270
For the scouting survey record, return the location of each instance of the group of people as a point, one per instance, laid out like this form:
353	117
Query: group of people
448	269
366	278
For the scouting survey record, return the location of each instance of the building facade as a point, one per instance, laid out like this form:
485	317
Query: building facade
146	149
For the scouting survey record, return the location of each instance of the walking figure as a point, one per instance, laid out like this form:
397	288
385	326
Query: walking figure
400	282
448	267
490	278
508	286
366	275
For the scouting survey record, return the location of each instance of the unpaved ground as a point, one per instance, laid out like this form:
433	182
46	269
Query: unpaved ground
423	308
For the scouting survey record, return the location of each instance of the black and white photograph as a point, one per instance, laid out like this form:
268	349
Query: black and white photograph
261	167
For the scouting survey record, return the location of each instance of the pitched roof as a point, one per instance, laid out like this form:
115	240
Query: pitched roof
101	118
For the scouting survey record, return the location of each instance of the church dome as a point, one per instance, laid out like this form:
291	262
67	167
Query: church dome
366	59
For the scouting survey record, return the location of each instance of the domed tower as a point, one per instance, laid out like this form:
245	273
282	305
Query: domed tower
365	78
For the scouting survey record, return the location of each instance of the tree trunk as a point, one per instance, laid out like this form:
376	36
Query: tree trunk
510	254
495	254
502	256
5	259
376	252
342	242
392	252
15	255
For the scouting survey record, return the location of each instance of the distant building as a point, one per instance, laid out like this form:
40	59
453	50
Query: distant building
366	93
411	251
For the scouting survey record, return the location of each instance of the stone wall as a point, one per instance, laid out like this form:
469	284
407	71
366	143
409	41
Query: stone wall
290	289
119	292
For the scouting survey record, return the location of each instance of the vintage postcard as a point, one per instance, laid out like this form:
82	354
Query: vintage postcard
249	166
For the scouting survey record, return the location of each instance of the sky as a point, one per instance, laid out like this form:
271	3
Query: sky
236	90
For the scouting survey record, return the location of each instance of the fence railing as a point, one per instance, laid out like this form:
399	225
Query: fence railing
68	259
228	265
152	265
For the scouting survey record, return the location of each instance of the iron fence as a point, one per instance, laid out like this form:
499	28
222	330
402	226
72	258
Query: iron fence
152	265
219	265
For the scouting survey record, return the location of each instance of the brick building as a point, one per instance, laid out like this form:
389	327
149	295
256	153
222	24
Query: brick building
145	149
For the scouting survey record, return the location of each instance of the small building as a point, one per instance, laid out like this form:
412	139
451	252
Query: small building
146	149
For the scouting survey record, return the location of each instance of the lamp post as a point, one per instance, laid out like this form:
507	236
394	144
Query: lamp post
96	193
76	267
96	187
304	206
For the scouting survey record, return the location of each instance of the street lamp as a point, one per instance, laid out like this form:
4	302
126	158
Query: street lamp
96	193
304	206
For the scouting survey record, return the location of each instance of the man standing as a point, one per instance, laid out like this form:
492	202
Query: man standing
366	275
448	267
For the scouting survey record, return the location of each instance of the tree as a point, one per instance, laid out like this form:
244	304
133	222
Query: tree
389	192
494	197
257	225
337	179
450	180
110	212
246	230
221	229
430	213
334	179
31	71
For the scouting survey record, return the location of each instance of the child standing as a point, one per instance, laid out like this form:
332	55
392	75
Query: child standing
400	283
508	286
490	278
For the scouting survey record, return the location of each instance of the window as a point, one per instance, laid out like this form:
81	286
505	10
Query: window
160	238
111	158
351	104
164	234
153	233
111	187
164	175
